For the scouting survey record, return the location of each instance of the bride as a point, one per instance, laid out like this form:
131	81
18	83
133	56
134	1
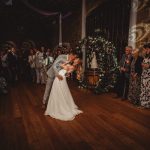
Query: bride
61	104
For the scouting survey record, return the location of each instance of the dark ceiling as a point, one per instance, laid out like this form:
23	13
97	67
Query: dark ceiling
19	21
56	5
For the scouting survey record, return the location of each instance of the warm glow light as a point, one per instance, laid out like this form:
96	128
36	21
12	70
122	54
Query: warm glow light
139	32
139	5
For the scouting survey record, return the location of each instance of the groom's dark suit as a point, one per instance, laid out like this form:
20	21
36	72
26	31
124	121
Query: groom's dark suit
52	73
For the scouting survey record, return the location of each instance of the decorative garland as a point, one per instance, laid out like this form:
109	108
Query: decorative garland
106	59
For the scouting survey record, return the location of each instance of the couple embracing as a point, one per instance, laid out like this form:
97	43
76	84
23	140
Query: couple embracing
57	96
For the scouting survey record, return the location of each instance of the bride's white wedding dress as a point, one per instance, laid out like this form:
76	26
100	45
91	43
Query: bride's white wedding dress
61	104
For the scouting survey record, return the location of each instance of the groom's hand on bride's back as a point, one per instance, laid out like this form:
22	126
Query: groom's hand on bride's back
60	77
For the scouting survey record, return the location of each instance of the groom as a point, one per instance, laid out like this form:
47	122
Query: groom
53	72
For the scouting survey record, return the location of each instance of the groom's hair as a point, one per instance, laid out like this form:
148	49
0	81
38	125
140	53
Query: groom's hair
74	53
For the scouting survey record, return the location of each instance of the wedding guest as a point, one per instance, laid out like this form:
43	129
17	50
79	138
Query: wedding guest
135	78
122	85
13	64
3	84
79	71
48	61
42	70
57	52
38	65
42	49
31	60
145	79
4	62
25	70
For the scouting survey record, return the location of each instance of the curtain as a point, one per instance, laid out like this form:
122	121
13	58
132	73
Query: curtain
111	20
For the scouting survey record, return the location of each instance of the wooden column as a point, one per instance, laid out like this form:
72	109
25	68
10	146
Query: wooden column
60	30
132	25
83	31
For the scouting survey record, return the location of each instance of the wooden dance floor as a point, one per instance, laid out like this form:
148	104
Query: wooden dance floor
106	123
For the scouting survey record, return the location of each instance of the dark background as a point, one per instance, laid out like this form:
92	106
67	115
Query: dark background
112	21
19	23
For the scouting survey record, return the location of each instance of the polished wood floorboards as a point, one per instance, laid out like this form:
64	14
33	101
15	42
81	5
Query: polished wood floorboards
107	123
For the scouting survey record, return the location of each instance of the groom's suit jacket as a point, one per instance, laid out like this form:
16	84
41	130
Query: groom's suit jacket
54	69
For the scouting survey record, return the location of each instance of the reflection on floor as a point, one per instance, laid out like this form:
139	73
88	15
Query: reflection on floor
106	123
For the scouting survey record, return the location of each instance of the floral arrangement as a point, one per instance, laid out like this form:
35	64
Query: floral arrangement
106	58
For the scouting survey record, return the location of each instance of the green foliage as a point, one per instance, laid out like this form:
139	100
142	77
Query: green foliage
106	59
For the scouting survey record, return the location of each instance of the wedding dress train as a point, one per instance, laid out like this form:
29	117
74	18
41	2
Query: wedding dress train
61	104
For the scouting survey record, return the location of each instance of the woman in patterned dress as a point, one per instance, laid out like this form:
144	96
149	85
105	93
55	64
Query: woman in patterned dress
135	78
145	79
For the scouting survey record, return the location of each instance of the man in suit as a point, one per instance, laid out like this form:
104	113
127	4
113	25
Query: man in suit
122	85
54	72
12	59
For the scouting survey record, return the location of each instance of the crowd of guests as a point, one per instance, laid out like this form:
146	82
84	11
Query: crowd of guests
134	76
8	68
30	64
